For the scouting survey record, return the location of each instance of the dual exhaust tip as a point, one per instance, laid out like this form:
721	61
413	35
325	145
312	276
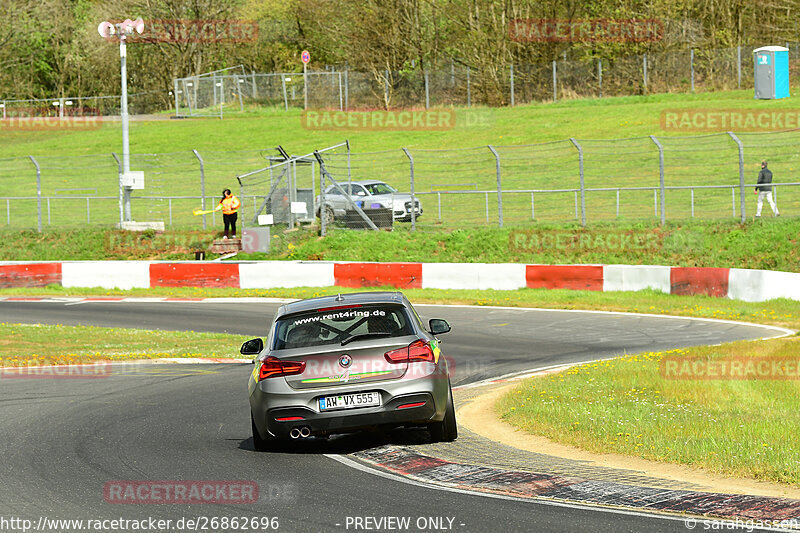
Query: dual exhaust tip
302	432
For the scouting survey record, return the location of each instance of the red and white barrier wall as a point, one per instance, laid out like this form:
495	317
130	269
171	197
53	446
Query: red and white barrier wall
748	285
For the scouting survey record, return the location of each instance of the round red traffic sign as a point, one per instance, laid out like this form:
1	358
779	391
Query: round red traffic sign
305	56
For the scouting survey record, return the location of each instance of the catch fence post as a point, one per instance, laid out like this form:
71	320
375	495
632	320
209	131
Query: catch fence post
741	174
661	178
499	186
413	200
202	185
583	188
512	84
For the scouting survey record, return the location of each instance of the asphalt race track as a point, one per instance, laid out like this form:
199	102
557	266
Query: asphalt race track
63	440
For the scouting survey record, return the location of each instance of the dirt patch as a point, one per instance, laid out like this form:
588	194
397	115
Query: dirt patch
478	415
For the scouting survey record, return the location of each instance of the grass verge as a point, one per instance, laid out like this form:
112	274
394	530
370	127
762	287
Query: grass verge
627	405
27	345
769	244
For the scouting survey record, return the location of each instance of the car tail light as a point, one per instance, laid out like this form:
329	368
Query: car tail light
411	405
417	351
272	367
289	418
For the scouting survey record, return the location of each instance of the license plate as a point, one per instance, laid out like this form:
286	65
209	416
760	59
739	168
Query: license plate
350	401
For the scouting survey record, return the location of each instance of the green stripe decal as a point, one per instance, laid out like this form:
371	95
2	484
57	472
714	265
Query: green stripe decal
336	379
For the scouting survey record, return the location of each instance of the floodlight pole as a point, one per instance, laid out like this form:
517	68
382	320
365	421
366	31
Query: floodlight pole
126	155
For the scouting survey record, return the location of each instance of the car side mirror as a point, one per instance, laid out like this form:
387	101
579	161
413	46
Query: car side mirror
252	347
438	326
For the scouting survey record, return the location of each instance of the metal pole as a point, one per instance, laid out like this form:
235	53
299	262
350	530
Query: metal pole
733	201
202	185
253	77
469	88
555	83
413	200
121	202
600	75
486	194
499	186
691	63
341	100
386	90
285	97
644	71
239	82
512	84
739	67
439	202
214	86
741	175
427	91
305	87
583	188
322	224
38	191
346	88
313	186
661	178
126	156
175	94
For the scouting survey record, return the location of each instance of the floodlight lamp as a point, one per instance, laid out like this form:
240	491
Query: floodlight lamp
106	29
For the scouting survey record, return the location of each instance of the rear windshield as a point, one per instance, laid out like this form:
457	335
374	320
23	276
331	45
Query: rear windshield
336	325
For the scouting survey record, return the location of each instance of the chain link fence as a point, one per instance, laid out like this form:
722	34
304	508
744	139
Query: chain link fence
573	180
458	85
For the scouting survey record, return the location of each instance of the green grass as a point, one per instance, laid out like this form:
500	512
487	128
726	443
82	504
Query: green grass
768	244
626	405
259	128
161	148
25	344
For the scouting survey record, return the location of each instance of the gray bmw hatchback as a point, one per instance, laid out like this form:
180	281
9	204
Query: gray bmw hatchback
343	363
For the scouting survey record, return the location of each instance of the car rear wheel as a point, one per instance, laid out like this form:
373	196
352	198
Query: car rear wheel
446	430
327	212
259	443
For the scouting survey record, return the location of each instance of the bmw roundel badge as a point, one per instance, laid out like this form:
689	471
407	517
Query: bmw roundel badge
345	361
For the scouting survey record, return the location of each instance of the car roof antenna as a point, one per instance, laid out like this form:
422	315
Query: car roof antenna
339	298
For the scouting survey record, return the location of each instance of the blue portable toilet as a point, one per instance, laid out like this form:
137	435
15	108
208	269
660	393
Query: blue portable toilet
771	72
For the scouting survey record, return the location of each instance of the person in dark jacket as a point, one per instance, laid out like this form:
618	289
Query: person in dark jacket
764	190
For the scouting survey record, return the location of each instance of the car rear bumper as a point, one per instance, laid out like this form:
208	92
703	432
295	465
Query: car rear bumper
343	421
271	400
